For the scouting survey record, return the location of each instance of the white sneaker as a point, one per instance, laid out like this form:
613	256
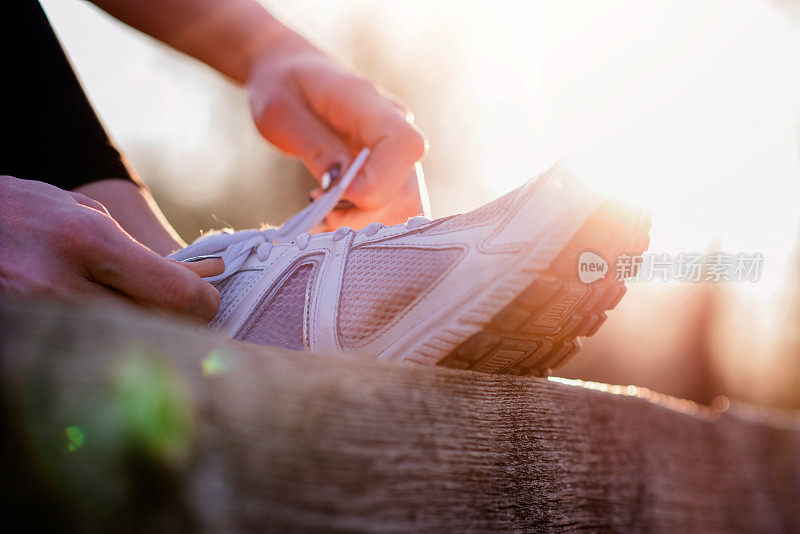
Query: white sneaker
497	289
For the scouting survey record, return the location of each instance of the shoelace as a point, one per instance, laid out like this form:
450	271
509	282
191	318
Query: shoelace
237	247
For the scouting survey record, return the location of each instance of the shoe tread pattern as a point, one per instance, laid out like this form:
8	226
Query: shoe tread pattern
539	329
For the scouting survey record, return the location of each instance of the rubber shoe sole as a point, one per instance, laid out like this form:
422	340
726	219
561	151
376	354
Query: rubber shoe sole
538	330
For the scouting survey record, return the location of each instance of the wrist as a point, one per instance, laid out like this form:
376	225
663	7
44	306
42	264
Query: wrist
264	34
134	209
280	45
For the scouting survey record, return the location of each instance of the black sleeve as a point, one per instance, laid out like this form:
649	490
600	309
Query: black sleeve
50	132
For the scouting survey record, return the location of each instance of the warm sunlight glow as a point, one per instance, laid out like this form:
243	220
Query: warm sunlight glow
688	108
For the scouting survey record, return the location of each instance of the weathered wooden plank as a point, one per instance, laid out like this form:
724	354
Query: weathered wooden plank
183	431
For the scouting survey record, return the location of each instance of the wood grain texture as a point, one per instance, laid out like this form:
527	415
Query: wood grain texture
277	440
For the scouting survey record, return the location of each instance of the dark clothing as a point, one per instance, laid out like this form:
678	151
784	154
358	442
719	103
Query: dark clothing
50	131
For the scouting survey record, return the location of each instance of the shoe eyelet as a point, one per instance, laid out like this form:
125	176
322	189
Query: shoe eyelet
302	240
340	233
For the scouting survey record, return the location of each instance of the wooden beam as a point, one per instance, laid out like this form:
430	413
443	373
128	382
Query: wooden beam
116	417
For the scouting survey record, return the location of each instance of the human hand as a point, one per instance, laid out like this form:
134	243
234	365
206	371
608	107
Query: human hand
303	101
322	112
65	245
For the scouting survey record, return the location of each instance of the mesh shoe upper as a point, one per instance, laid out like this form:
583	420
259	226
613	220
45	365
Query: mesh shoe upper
486	214
377	285
412	291
380	282
231	291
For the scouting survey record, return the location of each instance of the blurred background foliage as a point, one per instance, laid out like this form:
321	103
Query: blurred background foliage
692	110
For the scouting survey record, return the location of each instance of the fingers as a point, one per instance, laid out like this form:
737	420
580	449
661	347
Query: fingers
407	203
83	200
355	109
92	292
314	109
205	267
291	126
112	258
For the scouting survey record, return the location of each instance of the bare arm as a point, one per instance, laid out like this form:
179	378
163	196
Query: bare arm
227	34
303	102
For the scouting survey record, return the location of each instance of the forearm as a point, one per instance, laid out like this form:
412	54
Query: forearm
225	34
135	210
